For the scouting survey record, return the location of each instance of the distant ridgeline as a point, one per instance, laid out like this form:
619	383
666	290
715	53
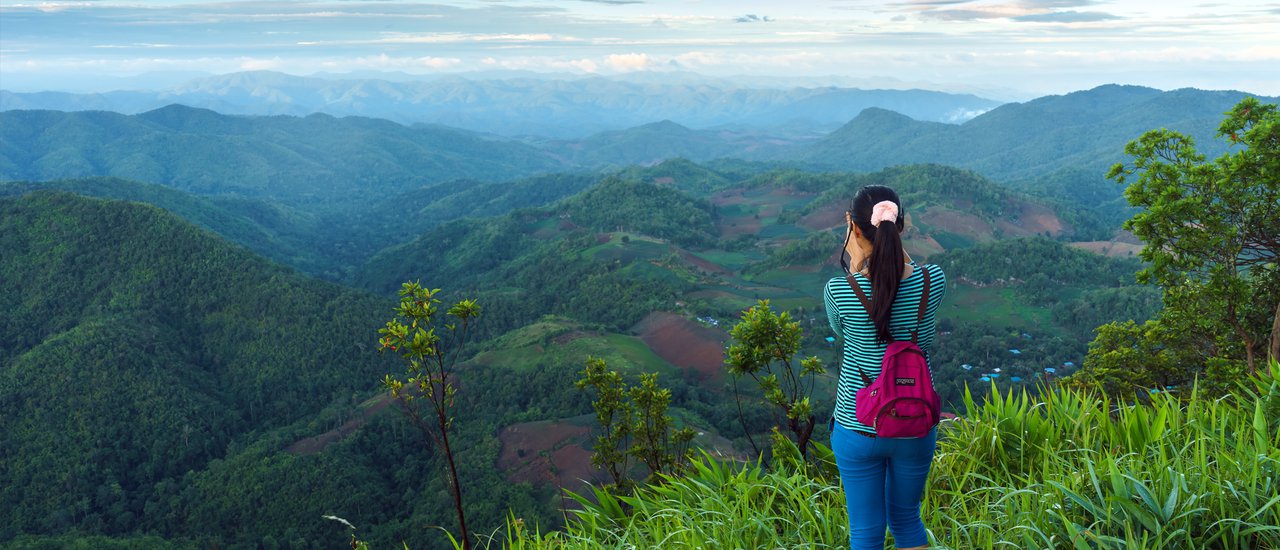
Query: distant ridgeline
1056	146
162	375
527	106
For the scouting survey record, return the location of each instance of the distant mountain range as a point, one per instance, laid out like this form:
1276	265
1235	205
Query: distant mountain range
1085	129
1059	146
513	106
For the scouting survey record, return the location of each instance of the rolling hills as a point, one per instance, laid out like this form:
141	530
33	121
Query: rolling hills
318	161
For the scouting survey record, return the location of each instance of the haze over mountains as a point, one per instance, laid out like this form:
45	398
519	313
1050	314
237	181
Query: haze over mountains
1057	145
525	105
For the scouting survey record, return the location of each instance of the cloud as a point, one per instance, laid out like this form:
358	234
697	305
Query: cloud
1051	4
962	15
261	64
1067	17
753	18
628	62
614	2
386	62
446	38
924	4
585	65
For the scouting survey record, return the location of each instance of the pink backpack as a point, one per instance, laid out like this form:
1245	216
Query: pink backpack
901	402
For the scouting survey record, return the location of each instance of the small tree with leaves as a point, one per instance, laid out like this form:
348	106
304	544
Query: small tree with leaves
1212	232
635	425
427	394
613	413
764	347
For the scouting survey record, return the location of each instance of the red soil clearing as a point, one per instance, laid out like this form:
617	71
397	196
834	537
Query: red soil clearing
823	218
728	197
960	223
547	453
1032	219
684	343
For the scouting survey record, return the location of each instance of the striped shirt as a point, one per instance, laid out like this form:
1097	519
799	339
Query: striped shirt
853	323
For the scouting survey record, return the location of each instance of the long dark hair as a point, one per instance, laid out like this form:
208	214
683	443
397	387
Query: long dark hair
885	265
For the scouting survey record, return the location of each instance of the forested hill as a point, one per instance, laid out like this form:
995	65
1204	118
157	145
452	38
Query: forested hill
315	160
1085	129
136	348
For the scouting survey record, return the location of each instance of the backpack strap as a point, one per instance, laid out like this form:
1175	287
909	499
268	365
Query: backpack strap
924	303
862	296
866	305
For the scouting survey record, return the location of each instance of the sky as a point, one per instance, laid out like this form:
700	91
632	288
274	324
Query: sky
1019	47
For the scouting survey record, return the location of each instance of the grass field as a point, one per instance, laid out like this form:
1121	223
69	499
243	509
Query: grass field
999	306
561	342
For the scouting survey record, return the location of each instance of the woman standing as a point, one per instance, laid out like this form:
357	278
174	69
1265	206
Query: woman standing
883	478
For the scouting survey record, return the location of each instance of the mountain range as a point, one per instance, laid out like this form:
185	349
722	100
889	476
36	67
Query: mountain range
1055	146
514	106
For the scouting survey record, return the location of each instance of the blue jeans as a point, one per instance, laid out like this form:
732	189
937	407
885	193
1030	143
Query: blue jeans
883	477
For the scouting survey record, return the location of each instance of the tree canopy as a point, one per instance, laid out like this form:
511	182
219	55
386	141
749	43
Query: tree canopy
1212	233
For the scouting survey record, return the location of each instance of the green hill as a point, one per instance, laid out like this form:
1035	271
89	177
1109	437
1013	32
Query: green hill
138	348
1054	146
319	161
279	233
1020	140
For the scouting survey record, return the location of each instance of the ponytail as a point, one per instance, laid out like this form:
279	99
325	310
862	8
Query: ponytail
885	268
876	213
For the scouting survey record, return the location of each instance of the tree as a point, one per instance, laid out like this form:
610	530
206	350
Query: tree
1212	231
614	416
763	341
635	425
1127	357
429	361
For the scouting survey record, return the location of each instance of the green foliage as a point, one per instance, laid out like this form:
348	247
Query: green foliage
429	363
812	250
619	204
1039	264
716	504
1071	469
1212	232
614	415
1126	357
136	348
764	345
635	425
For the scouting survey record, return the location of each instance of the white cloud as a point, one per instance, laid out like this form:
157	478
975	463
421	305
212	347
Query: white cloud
251	64
386	62
444	38
628	62
585	65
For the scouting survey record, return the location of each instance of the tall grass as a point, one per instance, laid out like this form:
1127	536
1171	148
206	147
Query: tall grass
1068	469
